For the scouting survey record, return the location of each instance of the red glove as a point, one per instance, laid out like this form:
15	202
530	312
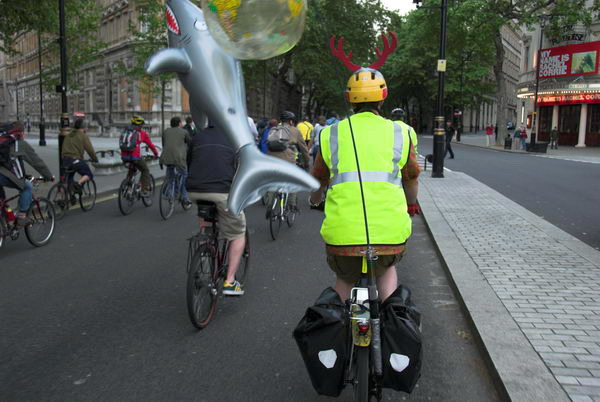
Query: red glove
414	209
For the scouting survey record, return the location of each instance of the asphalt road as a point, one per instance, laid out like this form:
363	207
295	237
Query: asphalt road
100	314
563	192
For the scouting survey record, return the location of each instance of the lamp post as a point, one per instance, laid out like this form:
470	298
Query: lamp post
42	126
534	124
439	131
62	88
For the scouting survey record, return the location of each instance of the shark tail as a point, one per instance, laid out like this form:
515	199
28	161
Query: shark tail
258	173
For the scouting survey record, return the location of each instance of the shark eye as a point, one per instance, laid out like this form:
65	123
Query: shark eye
200	25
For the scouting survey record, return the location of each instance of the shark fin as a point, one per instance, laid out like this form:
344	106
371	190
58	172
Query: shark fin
170	60
259	173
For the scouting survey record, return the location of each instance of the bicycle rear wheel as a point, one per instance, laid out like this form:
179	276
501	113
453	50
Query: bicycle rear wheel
166	201
361	374
241	274
87	198
275	217
126	197
40	231
202	290
148	200
290	217
59	196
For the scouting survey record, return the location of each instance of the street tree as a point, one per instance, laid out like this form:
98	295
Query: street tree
492	15
149	34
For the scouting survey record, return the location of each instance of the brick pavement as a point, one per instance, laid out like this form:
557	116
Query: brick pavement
549	288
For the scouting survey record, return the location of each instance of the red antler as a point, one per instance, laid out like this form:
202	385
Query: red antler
387	50
340	54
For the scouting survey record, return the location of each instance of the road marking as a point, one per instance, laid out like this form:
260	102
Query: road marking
567	159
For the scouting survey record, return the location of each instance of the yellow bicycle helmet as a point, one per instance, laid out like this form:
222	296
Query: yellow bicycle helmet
366	85
137	120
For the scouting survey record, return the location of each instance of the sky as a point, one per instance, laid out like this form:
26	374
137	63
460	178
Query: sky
404	6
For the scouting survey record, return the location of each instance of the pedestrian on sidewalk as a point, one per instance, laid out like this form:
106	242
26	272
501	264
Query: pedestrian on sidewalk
489	131
554	138
450	132
523	138
516	140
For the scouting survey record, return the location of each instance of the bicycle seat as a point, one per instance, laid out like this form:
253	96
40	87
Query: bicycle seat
207	210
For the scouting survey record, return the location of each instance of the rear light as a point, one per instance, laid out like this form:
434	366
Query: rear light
363	328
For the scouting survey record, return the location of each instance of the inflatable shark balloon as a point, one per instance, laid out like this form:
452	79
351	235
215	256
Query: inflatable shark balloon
215	84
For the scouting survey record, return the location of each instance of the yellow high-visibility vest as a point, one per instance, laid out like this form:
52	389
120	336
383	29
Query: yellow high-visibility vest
383	149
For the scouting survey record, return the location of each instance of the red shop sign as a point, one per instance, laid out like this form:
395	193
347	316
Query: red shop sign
570	99
564	61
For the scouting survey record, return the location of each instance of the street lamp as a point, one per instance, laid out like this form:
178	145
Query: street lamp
42	127
439	130
62	88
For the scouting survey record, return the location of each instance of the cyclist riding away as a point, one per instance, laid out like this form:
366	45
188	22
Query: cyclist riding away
130	143
305	129
285	142
75	144
399	116
176	141
211	166
17	149
387	161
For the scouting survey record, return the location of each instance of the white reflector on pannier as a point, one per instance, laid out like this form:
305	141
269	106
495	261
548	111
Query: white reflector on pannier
399	362
328	358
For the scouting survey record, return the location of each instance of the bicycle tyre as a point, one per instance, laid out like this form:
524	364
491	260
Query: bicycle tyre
126	197
3	228
166	201
290	217
59	196
87	198
241	274
275	217
148	200
361	374
201	291
40	212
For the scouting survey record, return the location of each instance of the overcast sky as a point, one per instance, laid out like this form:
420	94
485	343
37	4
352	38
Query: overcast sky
403	6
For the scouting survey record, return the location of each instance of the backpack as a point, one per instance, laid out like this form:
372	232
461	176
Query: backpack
129	139
7	139
279	138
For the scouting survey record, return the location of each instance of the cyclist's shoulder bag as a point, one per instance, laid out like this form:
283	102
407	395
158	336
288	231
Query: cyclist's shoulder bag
323	337
7	139
128	139
401	342
279	138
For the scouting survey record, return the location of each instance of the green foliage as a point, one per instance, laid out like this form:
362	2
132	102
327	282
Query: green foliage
42	16
149	34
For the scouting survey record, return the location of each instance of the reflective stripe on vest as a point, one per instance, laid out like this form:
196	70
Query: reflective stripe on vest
376	176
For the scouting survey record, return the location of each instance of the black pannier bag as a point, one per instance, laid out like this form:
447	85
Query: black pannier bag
401	343
323	337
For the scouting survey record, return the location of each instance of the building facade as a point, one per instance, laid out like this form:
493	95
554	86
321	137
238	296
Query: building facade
568	85
104	92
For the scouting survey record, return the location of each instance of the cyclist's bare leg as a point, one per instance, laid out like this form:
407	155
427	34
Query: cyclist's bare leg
236	248
83	179
387	283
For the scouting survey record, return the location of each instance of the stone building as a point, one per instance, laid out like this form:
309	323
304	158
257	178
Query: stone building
105	93
569	84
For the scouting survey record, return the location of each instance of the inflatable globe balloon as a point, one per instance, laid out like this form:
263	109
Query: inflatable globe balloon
255	29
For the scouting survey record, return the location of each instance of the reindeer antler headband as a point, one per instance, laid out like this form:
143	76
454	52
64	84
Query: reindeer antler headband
347	59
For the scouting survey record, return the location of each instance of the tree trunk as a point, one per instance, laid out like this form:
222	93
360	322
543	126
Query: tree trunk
501	96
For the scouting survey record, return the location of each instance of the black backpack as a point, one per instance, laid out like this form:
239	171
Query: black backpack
129	139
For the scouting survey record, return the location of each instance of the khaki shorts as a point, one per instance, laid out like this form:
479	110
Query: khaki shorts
230	227
348	268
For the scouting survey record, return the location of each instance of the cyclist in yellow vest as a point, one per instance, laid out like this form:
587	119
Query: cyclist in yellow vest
305	129
387	163
399	116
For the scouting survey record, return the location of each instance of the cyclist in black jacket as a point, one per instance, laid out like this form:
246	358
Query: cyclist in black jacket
211	167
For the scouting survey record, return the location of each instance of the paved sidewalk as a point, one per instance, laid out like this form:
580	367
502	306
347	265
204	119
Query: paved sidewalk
587	154
532	290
